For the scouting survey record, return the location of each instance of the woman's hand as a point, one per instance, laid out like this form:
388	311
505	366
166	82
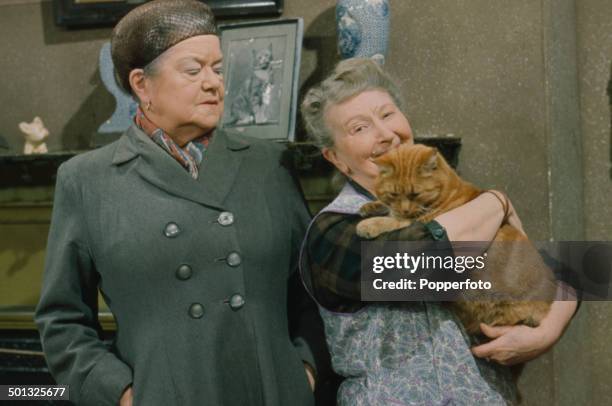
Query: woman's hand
127	397
517	344
513	344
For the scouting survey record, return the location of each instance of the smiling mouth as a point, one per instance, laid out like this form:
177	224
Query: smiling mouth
211	102
375	155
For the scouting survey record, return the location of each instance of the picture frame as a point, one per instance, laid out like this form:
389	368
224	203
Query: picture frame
90	13
261	73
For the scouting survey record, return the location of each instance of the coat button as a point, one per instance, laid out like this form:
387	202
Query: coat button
184	272
171	230
196	310
236	301
226	218
233	259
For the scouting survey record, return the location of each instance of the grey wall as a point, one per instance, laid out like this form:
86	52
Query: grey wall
594	39
523	82
49	72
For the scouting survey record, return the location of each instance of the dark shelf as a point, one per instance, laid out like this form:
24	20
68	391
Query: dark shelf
40	170
449	147
31	170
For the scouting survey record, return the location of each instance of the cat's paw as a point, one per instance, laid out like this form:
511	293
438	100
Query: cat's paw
373	209
531	322
369	228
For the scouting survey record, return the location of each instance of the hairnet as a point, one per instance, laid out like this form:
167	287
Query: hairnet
150	29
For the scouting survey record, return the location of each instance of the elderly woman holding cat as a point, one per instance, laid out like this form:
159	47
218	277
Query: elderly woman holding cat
191	234
400	353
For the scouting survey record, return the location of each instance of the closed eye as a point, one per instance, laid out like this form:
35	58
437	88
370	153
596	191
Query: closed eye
391	195
359	128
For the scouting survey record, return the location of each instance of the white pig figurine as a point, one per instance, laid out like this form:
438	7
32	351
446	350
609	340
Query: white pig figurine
34	134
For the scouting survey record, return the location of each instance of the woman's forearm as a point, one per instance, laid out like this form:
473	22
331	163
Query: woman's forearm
517	344
557	319
477	220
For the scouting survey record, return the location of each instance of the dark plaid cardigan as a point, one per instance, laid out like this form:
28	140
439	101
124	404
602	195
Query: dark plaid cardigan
334	255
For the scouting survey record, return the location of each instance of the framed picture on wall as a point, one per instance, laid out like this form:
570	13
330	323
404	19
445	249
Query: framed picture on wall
84	13
261	69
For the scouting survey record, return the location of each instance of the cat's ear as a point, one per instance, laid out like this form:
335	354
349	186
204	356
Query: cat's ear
431	164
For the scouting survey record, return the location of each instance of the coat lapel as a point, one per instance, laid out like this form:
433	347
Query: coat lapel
217	173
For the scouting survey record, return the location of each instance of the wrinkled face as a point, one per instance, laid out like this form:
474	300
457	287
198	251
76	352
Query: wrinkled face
364	127
411	180
186	88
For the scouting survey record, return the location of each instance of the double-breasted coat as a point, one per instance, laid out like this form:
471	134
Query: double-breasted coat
197	274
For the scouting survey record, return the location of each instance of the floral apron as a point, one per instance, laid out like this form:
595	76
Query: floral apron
412	353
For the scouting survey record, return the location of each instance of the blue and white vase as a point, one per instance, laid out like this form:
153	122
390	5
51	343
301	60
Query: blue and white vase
126	106
363	28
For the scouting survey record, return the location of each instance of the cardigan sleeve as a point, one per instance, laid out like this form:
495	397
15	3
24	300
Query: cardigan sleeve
67	313
334	256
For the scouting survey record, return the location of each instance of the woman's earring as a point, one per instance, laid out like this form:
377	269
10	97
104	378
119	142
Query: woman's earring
148	105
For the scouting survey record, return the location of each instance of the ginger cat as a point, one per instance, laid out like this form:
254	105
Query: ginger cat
415	183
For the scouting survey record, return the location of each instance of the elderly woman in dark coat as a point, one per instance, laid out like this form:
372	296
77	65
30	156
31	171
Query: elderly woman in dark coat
190	233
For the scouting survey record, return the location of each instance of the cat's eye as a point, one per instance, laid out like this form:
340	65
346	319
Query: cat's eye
412	195
391	195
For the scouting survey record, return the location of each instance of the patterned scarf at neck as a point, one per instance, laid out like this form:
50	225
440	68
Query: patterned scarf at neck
190	156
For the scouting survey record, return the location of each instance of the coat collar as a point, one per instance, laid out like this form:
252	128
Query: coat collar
218	171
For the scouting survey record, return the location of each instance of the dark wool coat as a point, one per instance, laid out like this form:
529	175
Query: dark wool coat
196	273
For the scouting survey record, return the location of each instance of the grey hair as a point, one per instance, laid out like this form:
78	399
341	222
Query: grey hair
348	79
